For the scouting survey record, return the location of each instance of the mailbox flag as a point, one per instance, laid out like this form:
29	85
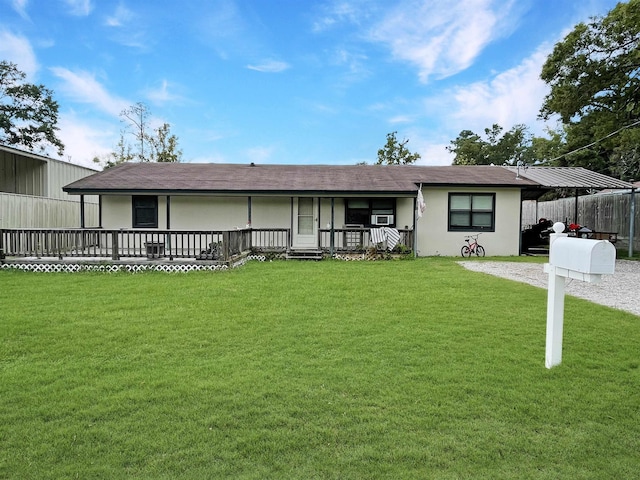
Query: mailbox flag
420	202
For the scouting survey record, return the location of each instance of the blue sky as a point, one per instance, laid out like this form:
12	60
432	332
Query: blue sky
289	81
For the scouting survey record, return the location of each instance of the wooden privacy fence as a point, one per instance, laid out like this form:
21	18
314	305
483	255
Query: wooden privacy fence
602	213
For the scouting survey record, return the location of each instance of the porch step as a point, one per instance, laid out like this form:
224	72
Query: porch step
304	255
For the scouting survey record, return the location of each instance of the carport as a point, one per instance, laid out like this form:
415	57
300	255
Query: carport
577	179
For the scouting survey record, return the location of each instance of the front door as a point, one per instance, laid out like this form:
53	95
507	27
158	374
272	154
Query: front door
305	226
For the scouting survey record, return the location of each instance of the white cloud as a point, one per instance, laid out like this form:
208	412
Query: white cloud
121	16
17	49
433	153
162	94
269	66
83	87
260	154
20	6
509	98
82	141
441	37
338	13
79	8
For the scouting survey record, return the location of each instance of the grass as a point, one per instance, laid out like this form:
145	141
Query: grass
406	369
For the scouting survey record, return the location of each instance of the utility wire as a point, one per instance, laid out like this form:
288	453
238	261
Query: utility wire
597	141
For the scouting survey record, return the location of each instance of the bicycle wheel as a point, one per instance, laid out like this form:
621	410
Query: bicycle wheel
466	251
480	251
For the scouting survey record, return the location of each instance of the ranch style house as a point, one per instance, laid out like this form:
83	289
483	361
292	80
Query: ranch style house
323	209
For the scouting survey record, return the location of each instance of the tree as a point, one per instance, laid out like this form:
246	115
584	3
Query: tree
594	79
164	145
159	145
136	118
509	148
28	112
395	152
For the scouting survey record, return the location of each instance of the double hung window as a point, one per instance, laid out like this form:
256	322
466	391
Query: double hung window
145	211
472	212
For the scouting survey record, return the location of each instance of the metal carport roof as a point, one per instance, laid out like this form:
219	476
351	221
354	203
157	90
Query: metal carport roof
569	177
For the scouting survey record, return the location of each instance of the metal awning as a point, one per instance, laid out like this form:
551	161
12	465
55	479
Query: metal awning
569	177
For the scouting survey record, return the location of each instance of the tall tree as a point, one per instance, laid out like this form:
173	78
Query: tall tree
496	148
395	152
594	75
136	117
28	112
151	145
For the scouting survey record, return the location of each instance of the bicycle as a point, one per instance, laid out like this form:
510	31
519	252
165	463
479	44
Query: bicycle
472	247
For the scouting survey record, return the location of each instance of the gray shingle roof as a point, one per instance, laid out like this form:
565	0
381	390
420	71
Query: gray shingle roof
272	179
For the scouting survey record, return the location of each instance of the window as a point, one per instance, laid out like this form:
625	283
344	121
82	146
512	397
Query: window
358	211
145	212
472	211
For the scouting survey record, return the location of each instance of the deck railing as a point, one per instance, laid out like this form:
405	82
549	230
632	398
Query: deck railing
195	244
114	244
359	240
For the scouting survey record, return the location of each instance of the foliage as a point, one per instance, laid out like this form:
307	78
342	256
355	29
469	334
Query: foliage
28	112
159	145
498	148
594	79
396	152
310	370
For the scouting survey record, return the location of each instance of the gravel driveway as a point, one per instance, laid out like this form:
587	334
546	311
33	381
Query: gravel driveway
620	290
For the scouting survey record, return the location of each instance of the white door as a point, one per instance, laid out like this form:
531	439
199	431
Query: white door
305	228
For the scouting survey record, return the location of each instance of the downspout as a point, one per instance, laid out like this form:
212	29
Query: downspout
82	211
632	220
331	248
520	252
319	226
249	212
168	238
290	242
415	229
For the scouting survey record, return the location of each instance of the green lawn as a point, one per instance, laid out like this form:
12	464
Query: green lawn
405	369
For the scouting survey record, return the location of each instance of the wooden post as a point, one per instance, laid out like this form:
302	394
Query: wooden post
225	245
114	246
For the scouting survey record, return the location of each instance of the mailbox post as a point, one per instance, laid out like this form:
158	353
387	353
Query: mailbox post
575	258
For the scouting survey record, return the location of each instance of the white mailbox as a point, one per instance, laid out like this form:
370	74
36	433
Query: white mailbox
574	258
581	255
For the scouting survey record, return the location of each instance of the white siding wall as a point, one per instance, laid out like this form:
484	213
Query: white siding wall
116	212
271	212
205	213
434	239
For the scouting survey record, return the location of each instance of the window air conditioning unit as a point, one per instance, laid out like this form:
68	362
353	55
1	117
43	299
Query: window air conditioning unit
381	219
